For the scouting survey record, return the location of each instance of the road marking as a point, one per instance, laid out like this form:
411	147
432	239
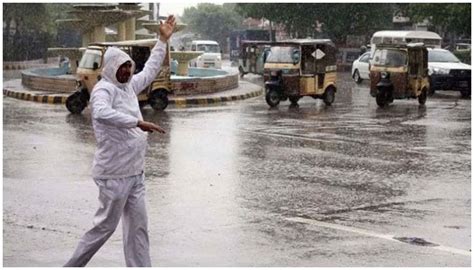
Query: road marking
371	234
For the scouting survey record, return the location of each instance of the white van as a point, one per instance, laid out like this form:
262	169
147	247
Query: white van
211	57
430	39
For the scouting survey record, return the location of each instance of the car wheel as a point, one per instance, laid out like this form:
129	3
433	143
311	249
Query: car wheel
356	76
76	103
158	99
329	96
273	98
422	97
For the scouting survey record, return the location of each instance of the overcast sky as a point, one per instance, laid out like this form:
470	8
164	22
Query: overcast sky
177	7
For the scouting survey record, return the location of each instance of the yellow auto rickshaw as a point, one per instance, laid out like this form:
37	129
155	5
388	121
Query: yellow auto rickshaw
399	71
300	67
90	67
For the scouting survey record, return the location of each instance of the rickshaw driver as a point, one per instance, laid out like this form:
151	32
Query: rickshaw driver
309	65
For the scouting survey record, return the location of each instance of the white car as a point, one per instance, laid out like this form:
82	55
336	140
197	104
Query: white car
211	57
360	68
446	72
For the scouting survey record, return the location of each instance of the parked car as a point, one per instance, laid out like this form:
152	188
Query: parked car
360	68
447	72
212	54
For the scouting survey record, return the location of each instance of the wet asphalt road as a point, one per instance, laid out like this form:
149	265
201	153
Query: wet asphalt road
244	185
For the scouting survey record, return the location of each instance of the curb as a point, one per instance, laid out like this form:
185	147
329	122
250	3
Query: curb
186	102
178	102
50	99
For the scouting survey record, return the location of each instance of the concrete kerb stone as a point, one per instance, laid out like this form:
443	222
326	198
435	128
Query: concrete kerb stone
179	102
186	102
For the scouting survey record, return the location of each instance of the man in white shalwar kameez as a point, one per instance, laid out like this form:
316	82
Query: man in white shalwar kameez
118	167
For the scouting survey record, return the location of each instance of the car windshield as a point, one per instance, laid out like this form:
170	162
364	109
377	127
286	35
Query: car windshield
280	55
390	58
442	56
209	48
89	58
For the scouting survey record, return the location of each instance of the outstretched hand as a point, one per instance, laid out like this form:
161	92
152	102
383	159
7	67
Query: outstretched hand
149	127
167	27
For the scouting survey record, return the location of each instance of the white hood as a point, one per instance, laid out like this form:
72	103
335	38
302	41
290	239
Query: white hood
450	65
113	59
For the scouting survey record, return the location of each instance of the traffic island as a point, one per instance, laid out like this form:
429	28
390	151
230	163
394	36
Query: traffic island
244	90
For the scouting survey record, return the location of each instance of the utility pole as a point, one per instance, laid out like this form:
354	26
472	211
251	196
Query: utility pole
272	38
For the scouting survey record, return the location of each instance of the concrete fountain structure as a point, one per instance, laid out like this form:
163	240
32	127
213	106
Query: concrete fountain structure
91	19
186	81
182	57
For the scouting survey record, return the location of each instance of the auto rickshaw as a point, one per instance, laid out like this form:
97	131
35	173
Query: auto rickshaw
399	71
300	67
90	67
253	55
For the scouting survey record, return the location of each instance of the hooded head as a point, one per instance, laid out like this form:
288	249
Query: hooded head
113	59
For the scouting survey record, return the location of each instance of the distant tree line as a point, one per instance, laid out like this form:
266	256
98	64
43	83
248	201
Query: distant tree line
451	21
337	20
211	21
29	29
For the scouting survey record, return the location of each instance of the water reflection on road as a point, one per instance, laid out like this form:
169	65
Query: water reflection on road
224	181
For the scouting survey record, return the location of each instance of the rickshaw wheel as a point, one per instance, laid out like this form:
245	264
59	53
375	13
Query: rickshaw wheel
76	103
158	99
142	103
273	98
356	77
422	97
465	94
294	100
381	99
431	92
329	96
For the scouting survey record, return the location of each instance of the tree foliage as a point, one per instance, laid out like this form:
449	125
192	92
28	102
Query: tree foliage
29	29
212	21
341	19
337	20
444	17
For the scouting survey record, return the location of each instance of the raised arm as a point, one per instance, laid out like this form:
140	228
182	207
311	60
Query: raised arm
152	66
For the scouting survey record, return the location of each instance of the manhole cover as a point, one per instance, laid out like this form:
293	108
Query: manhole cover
416	241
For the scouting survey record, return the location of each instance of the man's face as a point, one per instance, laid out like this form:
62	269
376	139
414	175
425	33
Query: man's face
124	72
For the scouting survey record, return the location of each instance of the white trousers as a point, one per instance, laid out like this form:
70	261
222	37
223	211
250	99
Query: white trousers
124	198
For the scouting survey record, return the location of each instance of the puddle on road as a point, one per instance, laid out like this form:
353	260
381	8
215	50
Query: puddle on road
415	241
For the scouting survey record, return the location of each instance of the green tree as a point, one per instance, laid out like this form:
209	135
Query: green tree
342	19
449	20
212	21
56	11
29	29
337	19
25	17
